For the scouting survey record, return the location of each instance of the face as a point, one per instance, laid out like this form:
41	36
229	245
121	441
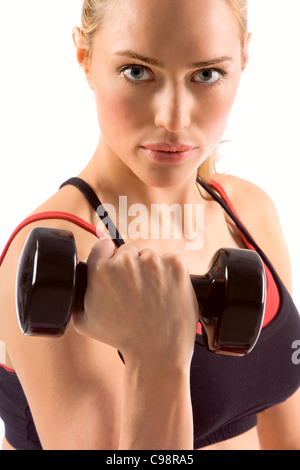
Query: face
165	75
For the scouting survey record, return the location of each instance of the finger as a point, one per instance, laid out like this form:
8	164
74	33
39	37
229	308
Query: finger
127	249
146	252
104	248
150	255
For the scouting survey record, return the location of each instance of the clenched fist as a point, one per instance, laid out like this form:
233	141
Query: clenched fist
141	303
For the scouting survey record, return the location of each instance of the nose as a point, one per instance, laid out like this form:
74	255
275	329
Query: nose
173	108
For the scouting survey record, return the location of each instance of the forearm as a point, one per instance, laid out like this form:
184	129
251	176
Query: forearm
156	410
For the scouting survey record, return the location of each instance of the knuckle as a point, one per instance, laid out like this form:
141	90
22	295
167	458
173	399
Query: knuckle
174	260
176	264
127	255
150	263
151	259
149	255
126	258
127	251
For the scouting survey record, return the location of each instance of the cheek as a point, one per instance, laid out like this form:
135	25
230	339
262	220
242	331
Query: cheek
118	114
216	113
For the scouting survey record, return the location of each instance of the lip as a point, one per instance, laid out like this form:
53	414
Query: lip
166	153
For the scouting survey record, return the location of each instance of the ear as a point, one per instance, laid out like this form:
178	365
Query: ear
81	53
245	54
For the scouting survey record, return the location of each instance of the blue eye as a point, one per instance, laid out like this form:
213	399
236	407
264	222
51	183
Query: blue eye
208	76
136	73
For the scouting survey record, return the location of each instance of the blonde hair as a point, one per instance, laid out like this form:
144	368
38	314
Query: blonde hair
94	12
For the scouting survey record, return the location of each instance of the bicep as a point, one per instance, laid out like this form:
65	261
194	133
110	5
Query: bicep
72	394
72	388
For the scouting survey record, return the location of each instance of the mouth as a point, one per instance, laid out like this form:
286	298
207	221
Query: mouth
165	153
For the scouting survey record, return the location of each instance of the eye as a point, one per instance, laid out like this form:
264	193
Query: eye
136	73
208	76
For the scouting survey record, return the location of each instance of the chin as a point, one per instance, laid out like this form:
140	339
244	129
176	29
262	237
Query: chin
167	179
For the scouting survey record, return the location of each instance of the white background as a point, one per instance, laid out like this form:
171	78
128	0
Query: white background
49	129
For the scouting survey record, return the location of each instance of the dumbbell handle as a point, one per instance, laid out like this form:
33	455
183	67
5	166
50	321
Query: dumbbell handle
81	285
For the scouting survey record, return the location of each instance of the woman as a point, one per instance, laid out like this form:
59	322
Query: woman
165	75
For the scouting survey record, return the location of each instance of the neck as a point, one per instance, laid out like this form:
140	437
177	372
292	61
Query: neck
143	211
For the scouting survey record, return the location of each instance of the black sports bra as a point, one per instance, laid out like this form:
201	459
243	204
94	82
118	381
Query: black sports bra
226	392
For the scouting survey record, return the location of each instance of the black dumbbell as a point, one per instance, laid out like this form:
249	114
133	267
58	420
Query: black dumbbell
51	285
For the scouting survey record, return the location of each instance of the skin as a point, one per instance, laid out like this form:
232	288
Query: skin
171	106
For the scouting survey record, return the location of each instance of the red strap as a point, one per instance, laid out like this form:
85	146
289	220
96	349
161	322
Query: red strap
225	198
273	297
44	216
7	368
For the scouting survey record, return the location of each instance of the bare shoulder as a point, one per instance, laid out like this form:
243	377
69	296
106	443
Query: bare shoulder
67	200
259	215
247	198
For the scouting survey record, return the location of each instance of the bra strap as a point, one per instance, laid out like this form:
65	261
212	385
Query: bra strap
86	190
231	214
98	207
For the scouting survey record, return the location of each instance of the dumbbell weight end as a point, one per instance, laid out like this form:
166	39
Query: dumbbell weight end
46	282
231	299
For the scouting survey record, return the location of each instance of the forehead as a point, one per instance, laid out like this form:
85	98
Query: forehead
171	27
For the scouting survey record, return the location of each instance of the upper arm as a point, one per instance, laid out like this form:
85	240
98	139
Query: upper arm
72	383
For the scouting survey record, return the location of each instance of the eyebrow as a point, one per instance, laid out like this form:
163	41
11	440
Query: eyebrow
157	63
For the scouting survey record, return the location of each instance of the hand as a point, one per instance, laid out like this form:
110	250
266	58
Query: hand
143	304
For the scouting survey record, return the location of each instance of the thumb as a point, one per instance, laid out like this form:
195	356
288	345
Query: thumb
103	248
